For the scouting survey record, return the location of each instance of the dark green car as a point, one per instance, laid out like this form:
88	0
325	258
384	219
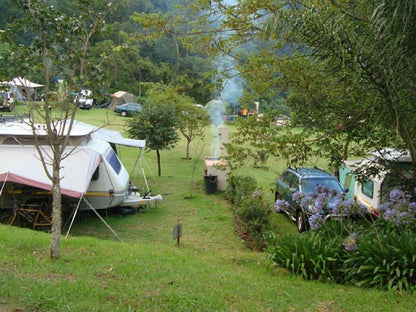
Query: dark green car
128	109
302	180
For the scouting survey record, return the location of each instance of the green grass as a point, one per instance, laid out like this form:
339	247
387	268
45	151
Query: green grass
212	270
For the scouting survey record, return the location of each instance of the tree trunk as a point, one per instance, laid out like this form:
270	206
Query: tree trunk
158	162
55	248
188	143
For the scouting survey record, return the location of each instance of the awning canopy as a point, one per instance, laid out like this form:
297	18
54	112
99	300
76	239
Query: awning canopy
106	135
21	164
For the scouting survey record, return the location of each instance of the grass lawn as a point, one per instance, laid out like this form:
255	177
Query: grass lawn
211	270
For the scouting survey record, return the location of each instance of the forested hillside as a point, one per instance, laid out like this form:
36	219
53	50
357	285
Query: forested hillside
126	60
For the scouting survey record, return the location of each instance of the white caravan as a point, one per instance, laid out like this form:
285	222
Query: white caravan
92	175
374	190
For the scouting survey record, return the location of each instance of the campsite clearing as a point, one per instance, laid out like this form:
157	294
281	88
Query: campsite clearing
212	270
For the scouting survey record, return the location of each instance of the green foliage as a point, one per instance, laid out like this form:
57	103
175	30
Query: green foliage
381	255
192	121
251	210
259	139
317	255
164	32
385	258
157	122
254	214
240	188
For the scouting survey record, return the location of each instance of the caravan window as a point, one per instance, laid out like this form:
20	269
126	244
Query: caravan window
367	188
114	161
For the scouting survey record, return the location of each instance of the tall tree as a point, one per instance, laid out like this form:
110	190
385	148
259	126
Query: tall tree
54	42
157	121
192	121
346	67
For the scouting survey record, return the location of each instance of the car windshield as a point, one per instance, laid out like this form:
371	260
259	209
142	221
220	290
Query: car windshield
309	185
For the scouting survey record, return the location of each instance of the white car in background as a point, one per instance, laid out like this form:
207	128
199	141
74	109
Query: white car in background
84	99
6	101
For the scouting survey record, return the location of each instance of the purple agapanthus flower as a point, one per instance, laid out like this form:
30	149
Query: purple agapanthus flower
298	196
350	243
412	208
316	220
397	197
307	201
321	202
398	210
281	205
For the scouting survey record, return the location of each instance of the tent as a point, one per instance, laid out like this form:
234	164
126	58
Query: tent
121	97
22	165
21	87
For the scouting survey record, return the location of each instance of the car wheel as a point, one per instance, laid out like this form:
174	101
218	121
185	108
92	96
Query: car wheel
300	221
123	114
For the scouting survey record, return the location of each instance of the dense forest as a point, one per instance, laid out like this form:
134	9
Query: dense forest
126	59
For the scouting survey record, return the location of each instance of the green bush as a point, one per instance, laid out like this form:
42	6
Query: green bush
314	255
380	255
254	214
240	188
385	258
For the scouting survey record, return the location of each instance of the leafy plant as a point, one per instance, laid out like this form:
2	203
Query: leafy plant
389	266
381	254
310	255
251	211
254	214
157	121
239	188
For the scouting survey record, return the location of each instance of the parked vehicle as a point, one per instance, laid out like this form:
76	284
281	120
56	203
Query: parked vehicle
93	176
373	190
84	99
128	109
303	180
6	101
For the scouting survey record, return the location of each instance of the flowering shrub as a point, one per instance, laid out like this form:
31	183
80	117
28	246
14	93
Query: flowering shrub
321	204
379	254
398	210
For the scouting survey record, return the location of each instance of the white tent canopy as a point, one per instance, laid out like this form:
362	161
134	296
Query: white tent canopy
22	82
22	165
